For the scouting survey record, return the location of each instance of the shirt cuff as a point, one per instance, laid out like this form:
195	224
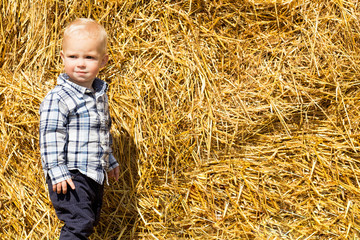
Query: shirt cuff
58	174
112	163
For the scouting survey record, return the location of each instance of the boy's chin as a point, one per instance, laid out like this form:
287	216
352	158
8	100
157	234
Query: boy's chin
84	82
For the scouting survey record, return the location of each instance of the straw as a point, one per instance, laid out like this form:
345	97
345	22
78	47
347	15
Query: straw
231	119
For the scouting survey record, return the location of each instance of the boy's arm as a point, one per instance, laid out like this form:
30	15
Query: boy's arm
53	138
112	162
113	169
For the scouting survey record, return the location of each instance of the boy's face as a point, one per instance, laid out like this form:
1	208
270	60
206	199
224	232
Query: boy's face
83	58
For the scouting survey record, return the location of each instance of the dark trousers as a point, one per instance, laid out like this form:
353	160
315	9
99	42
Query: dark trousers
79	209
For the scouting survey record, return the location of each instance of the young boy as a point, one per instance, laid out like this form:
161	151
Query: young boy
75	140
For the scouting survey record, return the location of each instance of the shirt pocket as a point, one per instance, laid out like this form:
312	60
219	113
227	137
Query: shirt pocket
83	126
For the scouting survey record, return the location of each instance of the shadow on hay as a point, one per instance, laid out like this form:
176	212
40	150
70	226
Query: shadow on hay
119	216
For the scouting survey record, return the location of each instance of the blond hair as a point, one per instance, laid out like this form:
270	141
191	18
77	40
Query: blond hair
86	28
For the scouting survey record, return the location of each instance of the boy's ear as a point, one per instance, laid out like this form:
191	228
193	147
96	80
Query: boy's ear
62	55
104	60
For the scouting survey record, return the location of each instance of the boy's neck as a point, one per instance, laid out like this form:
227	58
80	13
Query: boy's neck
82	85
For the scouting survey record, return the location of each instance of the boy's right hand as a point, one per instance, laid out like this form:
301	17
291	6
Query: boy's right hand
62	186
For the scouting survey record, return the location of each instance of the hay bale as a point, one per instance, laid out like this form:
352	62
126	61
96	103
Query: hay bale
231	119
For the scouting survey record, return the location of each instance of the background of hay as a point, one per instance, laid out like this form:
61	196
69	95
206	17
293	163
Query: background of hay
231	119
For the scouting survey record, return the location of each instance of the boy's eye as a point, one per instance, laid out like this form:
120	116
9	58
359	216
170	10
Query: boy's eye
72	56
90	57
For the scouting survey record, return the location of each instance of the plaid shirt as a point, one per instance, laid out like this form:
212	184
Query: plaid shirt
75	131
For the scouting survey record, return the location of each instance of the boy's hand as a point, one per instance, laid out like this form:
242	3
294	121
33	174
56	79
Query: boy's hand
114	173
63	186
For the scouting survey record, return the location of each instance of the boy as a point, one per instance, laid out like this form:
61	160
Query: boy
75	140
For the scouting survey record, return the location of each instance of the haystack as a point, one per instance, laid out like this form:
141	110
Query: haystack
231	119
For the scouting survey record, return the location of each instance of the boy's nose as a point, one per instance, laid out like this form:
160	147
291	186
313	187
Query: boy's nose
81	62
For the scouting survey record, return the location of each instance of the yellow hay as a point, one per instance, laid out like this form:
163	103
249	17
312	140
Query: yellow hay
231	119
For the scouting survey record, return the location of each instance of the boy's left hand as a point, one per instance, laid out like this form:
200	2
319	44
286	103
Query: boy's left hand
114	173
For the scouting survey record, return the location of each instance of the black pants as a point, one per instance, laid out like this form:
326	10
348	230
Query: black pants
79	208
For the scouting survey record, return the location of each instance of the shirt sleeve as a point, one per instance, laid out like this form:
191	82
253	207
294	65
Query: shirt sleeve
53	138
112	162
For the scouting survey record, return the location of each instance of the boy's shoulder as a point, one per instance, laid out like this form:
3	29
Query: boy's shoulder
62	95
60	92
